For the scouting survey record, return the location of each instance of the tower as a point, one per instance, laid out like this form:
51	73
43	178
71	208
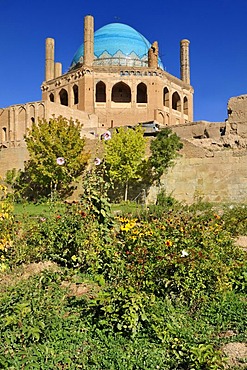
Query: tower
49	59
184	61
88	40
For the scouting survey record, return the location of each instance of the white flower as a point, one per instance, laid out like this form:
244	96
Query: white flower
60	161
184	253
106	135
97	161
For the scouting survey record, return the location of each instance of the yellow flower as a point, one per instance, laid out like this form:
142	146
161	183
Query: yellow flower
129	225
216	216
3	267
168	243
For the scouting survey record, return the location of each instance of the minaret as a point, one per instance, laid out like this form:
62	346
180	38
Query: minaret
184	61
58	69
88	40
153	54
49	58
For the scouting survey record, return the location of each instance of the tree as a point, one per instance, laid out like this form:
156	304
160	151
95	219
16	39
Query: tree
124	154
164	149
57	158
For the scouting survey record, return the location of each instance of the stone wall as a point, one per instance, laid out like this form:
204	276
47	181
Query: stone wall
200	174
12	158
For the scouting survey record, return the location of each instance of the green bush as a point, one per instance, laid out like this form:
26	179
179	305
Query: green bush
184	255
235	218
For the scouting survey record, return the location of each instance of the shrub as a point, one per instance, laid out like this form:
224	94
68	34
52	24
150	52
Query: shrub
235	218
184	255
7	228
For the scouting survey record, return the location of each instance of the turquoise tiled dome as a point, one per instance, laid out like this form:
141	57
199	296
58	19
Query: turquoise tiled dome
117	44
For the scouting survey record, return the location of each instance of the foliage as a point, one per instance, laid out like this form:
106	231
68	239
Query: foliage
226	312
124	154
57	158
11	179
166	201
158	290
67	236
94	196
71	233
185	257
7	228
164	149
235	218
44	326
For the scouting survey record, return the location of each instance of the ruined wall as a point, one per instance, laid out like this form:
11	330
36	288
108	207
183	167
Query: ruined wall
17	119
209	175
201	130
237	116
213	162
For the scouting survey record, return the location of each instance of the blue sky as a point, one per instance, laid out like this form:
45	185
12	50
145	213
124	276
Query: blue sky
216	29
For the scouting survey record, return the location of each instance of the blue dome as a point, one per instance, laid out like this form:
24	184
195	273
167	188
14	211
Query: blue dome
117	44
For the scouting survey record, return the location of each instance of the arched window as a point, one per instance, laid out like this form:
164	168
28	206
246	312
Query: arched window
141	93
4	134
100	92
176	102
51	96
121	93
76	94
63	97
185	105
166	97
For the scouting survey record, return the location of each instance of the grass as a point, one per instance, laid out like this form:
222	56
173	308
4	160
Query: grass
42	209
31	209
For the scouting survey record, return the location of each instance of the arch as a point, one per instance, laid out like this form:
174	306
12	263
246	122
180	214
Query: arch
22	115
176	101
51	97
141	95
100	96
31	116
166	97
121	93
161	118
41	111
31	110
21	127
64	97
4	134
186	108
76	94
